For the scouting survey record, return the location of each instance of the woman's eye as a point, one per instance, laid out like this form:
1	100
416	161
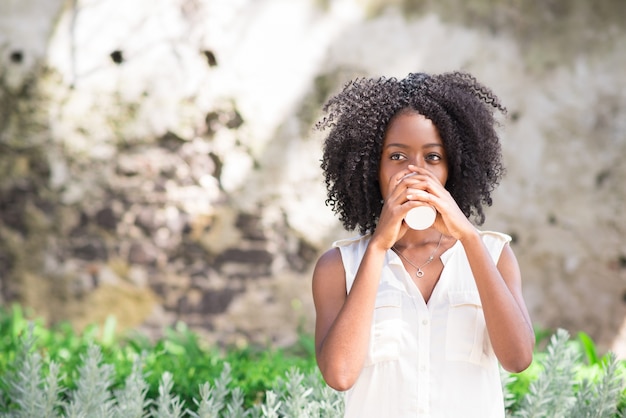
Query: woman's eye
396	156
433	157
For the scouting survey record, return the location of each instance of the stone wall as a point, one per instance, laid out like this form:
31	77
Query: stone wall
158	160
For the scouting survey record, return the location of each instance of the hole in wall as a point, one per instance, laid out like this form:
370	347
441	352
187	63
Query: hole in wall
210	57
117	56
602	177
16	57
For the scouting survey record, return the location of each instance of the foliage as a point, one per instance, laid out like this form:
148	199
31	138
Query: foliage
57	373
29	394
560	384
180	352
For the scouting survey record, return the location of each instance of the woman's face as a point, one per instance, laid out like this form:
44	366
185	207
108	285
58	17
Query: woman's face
413	139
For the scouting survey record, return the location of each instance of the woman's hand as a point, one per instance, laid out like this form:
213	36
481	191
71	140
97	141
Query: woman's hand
424	188
391	226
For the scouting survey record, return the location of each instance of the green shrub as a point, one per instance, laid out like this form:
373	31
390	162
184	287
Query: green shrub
30	394
180	352
58	373
560	384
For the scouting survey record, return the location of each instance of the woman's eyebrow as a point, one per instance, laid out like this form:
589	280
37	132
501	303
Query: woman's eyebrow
402	145
396	145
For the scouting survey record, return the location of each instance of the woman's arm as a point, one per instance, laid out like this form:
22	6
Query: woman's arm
343	322
500	288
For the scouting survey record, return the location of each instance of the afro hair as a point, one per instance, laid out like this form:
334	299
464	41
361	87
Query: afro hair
356	119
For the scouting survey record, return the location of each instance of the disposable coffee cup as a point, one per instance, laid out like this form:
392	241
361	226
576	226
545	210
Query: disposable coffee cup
421	217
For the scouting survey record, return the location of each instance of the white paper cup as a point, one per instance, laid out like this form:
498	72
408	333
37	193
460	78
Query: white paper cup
421	217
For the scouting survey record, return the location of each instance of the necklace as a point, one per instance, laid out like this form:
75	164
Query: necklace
419	272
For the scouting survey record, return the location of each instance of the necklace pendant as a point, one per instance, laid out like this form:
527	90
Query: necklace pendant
419	273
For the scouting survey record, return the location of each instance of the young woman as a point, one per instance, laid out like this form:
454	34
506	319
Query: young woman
415	322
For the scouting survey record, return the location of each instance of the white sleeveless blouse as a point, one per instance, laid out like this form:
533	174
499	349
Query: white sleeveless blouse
430	360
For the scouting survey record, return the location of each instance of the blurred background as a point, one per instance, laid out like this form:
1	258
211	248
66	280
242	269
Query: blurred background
158	161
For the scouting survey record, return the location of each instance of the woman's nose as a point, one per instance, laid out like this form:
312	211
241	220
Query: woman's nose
418	162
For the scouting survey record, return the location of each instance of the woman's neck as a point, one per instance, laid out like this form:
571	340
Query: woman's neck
414	238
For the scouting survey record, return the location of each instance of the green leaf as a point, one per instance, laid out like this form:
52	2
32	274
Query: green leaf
589	348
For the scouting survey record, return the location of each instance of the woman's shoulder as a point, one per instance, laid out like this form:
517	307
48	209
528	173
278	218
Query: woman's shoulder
495	236
359	240
495	242
328	259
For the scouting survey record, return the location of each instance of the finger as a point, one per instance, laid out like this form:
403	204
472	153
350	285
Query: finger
404	174
396	187
428	182
421	173
417	194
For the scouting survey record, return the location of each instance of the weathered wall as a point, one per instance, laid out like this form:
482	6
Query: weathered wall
158	161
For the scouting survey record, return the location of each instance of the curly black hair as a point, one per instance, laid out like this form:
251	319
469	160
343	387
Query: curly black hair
460	107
